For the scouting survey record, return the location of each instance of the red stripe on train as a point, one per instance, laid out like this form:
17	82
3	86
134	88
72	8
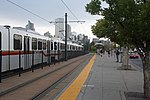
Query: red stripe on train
5	53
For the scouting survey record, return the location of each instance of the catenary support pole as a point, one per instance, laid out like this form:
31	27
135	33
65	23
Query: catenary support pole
65	36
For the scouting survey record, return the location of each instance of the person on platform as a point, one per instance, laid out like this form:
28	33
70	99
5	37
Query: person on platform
117	55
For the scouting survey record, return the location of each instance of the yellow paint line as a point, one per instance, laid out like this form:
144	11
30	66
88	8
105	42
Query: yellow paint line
73	90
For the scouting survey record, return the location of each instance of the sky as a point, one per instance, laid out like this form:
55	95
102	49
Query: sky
49	10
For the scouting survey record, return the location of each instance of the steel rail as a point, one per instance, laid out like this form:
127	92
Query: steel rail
51	87
35	79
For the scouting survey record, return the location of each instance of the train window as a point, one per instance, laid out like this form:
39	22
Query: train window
58	46
73	47
68	47
55	45
34	44
44	44
62	46
48	45
17	42
39	44
79	48
51	45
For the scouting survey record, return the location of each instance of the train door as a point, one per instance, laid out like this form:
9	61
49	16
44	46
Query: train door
27	58
48	51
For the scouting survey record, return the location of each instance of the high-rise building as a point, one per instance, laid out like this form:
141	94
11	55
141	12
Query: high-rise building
30	26
68	31
59	28
48	34
73	36
80	37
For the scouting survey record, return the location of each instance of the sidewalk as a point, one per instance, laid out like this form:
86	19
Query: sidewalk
106	82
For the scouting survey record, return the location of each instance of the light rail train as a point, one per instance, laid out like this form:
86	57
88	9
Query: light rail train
21	48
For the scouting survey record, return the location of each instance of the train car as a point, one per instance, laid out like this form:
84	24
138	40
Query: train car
23	48
16	42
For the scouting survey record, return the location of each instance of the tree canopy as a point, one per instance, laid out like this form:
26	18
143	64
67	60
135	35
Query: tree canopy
124	20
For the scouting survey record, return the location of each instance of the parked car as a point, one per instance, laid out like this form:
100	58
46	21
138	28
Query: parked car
133	55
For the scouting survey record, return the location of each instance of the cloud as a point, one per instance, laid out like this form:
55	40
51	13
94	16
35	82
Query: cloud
16	17
44	29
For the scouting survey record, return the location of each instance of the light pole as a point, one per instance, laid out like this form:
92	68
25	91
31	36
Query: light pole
65	36
8	27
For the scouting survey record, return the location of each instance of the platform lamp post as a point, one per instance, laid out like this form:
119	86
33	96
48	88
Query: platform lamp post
8	27
65	36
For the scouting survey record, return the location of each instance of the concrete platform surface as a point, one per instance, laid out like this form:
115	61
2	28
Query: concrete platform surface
106	82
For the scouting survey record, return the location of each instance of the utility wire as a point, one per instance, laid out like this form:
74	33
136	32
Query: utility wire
31	12
69	9
39	15
28	11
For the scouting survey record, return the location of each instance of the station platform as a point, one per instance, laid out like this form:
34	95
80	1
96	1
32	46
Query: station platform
102	80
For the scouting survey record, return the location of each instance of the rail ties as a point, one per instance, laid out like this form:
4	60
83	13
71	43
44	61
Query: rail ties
50	88
37	78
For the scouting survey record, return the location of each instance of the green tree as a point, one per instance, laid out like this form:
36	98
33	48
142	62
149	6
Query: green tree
126	22
92	47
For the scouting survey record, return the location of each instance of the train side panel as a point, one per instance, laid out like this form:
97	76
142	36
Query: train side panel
19	45
4	46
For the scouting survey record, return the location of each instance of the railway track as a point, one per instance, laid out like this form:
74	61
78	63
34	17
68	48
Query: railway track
45	85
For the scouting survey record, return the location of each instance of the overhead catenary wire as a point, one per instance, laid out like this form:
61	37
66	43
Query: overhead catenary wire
42	17
31	12
69	9
28	10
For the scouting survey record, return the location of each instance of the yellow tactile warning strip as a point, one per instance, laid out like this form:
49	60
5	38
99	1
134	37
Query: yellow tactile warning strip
73	90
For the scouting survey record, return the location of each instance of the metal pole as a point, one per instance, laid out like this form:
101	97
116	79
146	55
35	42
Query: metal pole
42	59
49	53
0	66
19	63
32	61
65	36
58	53
49	57
54	55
